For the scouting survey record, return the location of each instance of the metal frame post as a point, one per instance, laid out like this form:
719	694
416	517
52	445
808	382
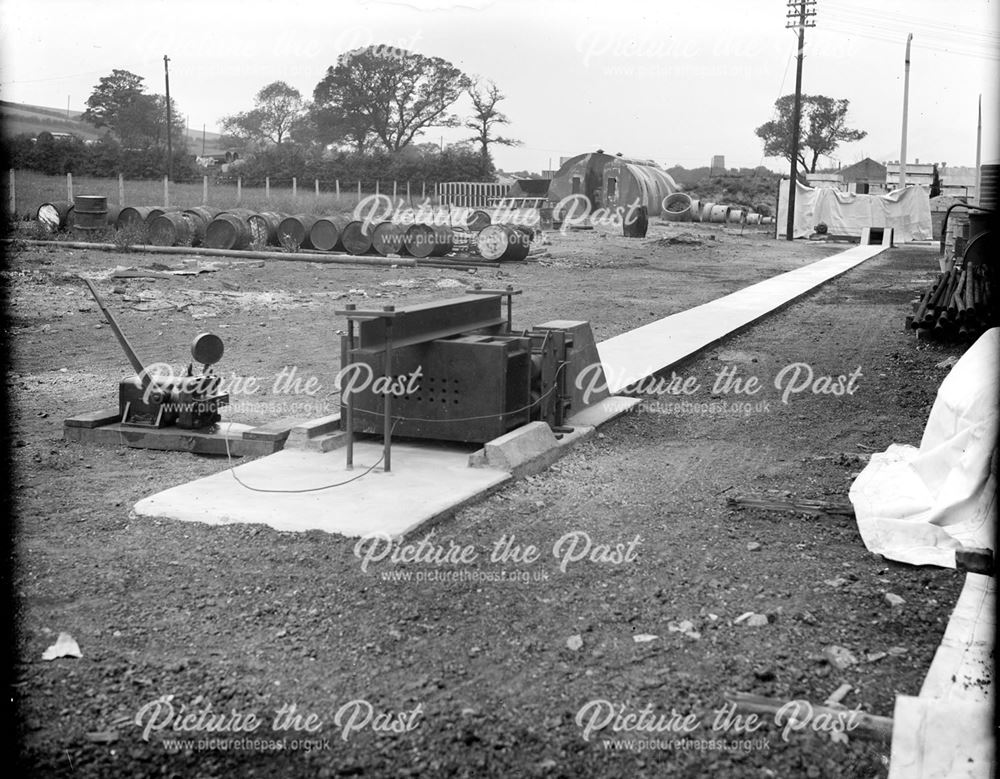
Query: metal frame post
387	407
347	401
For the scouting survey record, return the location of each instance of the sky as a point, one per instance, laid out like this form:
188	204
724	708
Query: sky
676	81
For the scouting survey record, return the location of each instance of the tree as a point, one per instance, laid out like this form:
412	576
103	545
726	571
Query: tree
484	102
120	103
277	107
822	129
389	93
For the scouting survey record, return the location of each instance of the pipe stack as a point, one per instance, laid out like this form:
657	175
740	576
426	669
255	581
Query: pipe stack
960	304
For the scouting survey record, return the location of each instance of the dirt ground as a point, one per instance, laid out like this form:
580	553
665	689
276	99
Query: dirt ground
482	677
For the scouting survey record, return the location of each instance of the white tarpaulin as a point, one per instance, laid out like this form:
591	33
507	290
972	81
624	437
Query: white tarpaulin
918	505
907	210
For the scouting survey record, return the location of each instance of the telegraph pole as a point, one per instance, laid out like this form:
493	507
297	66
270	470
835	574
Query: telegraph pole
906	104
170	152
805	10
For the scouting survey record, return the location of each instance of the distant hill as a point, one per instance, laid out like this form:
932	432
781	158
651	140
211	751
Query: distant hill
20	118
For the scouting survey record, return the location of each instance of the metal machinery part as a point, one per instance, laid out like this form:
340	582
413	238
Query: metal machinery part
458	370
189	402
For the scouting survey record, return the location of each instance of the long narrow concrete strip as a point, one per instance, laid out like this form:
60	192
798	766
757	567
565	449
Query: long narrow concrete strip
426	481
640	353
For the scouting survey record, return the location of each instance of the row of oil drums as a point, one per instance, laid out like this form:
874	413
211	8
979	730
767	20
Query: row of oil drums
241	228
681	207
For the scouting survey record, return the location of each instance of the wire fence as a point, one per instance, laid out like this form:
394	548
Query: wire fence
27	190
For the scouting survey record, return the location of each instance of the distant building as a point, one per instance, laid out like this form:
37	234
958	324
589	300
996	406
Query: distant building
718	166
865	178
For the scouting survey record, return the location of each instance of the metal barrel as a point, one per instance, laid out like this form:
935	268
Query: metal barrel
428	240
635	222
695	210
242	213
90	212
503	243
133	216
677	207
477	220
55	215
987	195
387	238
264	227
227	231
171	229
734	214
356	237
200	217
156	211
753	218
294	230
325	234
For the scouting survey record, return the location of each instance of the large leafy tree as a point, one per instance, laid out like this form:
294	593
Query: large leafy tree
822	128
486	116
388	93
277	108
120	103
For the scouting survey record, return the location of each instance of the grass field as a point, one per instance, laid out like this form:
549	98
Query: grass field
31	189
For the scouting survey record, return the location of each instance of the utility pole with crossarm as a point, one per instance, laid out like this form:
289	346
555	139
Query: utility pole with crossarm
801	14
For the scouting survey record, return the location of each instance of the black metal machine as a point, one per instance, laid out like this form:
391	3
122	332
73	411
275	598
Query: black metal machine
190	402
456	370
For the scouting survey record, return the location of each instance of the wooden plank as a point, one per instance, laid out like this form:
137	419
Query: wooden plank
801	506
173	439
277	430
861	724
105	416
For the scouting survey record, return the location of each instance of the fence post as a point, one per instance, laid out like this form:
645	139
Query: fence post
69	187
204	190
239	189
359	191
423	190
394	190
267	189
13	197
376	187
295	190
316	181
337	184
121	190
408	201
166	191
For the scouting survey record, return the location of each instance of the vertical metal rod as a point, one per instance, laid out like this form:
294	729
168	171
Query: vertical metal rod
347	401
121	190
510	308
387	421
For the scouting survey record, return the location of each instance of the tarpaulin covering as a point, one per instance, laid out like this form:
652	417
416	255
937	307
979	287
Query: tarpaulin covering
907	211
918	505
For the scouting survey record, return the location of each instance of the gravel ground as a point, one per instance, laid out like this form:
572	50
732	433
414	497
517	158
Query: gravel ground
477	676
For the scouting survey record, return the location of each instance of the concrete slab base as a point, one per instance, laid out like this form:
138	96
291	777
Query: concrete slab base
426	482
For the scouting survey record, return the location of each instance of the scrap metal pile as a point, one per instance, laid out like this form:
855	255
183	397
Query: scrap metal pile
962	302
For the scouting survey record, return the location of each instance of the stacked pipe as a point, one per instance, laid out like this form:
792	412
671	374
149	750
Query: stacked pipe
959	304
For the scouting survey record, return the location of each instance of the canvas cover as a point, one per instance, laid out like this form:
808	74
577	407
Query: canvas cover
907	211
918	505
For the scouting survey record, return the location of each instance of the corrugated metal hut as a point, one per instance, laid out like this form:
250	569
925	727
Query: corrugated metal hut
630	183
608	181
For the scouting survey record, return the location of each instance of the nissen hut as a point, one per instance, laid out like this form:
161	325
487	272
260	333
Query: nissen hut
610	181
